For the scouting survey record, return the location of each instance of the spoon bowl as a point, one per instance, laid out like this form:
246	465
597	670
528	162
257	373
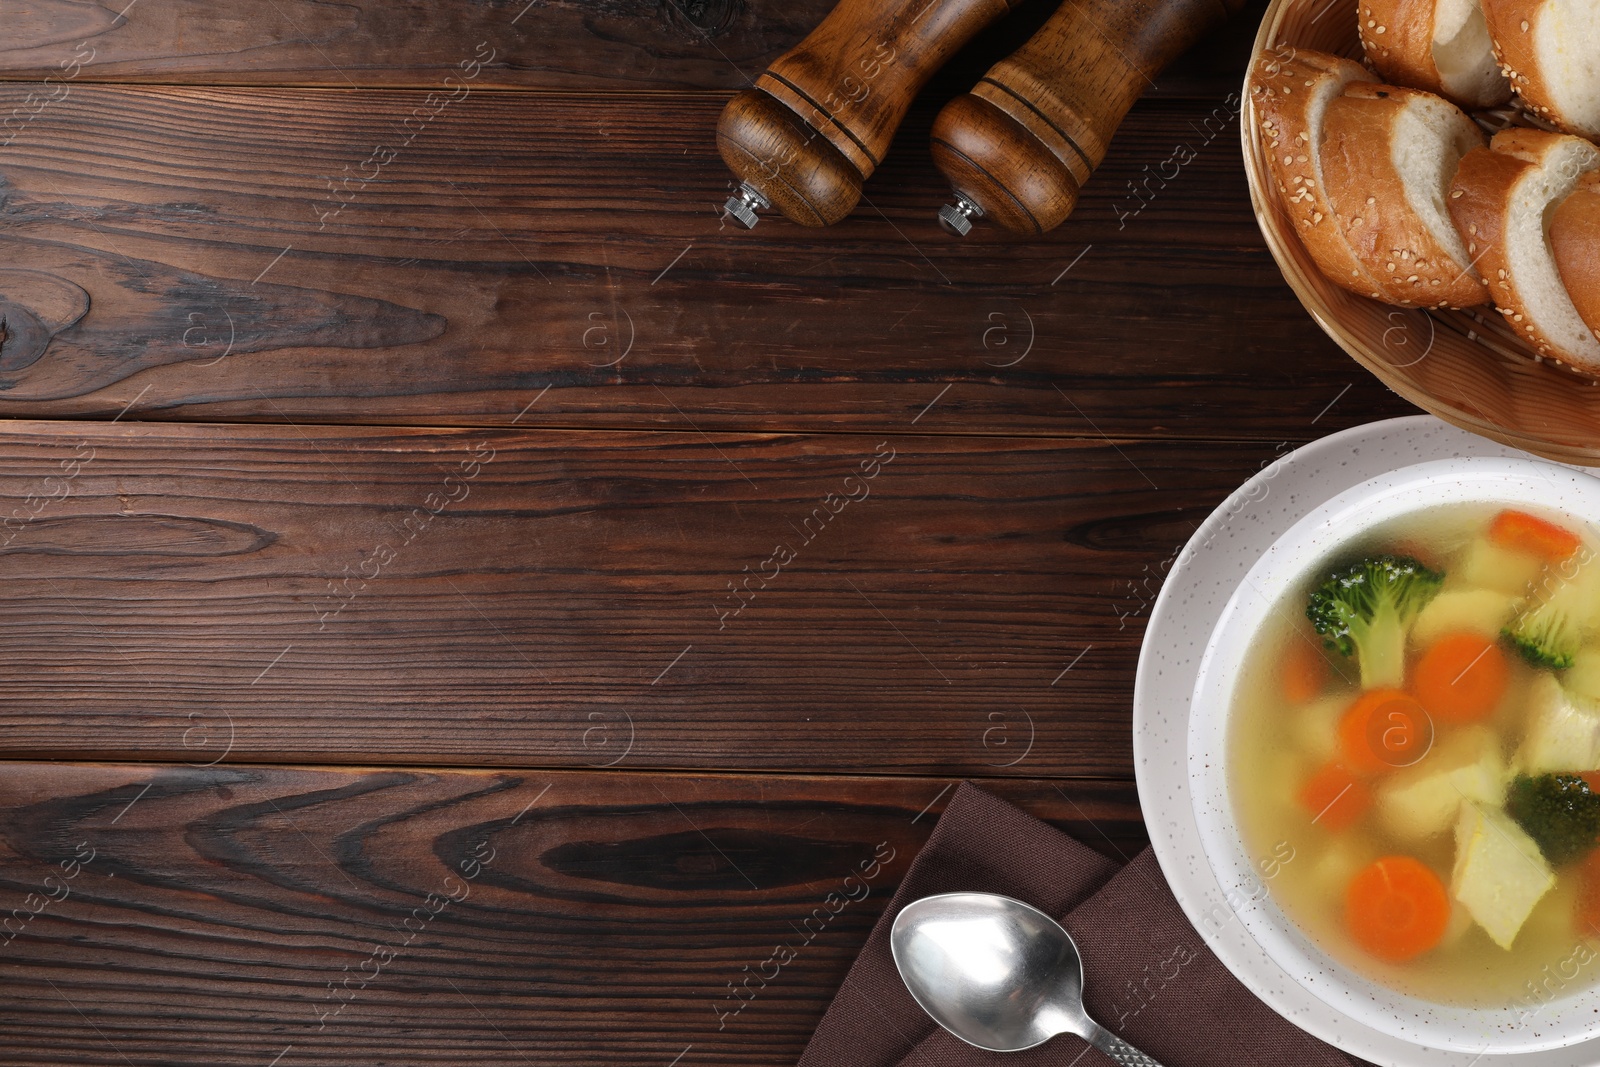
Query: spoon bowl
997	973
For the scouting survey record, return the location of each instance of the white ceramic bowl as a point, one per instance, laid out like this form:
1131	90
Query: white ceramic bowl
1316	537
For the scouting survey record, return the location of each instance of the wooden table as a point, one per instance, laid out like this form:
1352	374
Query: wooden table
464	603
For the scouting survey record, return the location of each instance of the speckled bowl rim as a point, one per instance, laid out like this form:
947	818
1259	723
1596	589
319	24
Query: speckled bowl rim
1202	580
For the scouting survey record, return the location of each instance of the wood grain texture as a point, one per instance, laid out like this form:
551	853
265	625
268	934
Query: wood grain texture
681	45
287	594
664	44
498	219
225	915
241	265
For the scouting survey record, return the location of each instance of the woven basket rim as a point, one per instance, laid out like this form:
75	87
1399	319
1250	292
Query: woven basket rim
1573	447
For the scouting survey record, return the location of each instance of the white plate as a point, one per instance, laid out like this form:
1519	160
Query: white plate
1197	589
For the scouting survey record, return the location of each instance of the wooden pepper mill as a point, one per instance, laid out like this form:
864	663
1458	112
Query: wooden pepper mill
819	120
1018	147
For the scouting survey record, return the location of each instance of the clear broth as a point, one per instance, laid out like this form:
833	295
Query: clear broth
1269	758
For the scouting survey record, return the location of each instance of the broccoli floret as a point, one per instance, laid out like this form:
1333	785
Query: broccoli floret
1546	637
1550	630
1366	609
1559	811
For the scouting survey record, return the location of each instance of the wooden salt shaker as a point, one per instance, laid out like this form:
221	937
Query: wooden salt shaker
819	120
1018	147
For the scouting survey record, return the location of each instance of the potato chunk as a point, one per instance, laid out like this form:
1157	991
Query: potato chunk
1499	874
1560	735
1486	565
1473	611
1422	801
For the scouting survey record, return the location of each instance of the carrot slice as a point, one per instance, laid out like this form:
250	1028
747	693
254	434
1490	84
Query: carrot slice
1303	670
1587	910
1397	908
1460	677
1384	729
1528	533
1335	798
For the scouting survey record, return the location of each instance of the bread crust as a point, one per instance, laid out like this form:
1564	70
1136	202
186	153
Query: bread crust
1397	36
1575	242
1370	204
1477	206
1484	185
1530	146
1282	89
1512	26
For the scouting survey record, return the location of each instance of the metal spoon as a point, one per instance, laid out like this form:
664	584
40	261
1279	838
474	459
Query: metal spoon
997	973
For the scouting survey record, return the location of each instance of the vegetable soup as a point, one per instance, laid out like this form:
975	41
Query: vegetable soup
1417	729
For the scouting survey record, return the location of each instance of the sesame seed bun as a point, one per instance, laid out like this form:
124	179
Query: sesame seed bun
1290	94
1388	156
1575	243
1442	46
1499	200
1549	50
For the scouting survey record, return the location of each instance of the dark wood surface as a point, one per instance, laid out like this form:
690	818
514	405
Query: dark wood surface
290	589
671	45
330	542
223	915
576	245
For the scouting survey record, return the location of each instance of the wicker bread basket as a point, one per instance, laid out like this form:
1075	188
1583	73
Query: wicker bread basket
1466	367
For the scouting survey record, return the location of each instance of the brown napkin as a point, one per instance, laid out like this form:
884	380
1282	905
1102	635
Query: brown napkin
1148	976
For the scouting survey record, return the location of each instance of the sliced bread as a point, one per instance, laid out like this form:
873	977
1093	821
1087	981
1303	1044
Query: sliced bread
1439	45
1500	200
1550	49
1575	242
1290	93
1388	157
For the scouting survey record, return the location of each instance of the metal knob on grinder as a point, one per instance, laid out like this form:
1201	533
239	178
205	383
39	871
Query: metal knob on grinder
1020	145
818	121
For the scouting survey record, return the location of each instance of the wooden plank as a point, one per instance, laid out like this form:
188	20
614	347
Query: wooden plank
304	594
236	262
230	915
524	44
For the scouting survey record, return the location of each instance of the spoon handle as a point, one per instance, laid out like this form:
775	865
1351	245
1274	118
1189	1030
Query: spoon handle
1120	1050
